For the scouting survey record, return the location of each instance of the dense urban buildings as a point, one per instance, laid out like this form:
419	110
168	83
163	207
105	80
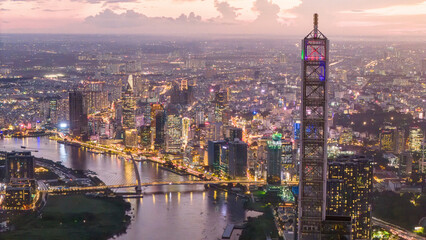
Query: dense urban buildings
238	111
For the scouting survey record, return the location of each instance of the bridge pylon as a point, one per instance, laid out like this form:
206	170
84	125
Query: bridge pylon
138	188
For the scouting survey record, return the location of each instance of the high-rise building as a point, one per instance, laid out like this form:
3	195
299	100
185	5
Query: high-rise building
199	118
215	154
160	133
78	116
349	189
129	105
313	134
20	178
235	133
415	139
173	129
288	161
131	138
186	127
392	139
274	159
96	96
237	159
155	108
19	166
182	94
220	105
336	227
145	133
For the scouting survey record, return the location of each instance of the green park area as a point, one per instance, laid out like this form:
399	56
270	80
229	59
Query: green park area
73	217
402	209
262	226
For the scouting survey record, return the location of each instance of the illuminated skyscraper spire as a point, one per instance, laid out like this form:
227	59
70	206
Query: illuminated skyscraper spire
313	134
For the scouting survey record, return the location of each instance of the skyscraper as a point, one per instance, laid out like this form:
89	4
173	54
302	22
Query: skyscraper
145	133
313	134
96	96
349	189
20	166
173	129
220	104
78	116
160	134
237	159
235	133
274	159
415	139
392	139
186	127
214	154
182	94
129	106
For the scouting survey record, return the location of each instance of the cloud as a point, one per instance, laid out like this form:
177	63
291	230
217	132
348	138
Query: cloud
131	19
110	19
106	1
396	10
267	10
228	13
56	10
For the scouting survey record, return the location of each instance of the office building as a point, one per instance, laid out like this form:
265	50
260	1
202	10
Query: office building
215	154
182	94
155	109
160	133
131	138
392	139
173	129
235	133
20	166
349	189
274	159
336	227
145	133
415	139
238	159
78	116
186	128
129	105
96	96
220	105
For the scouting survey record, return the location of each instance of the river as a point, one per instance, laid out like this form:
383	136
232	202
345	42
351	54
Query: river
165	212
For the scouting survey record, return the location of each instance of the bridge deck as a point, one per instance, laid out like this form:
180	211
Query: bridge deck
147	184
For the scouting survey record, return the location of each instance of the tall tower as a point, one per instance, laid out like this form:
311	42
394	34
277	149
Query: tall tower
78	116
313	134
129	105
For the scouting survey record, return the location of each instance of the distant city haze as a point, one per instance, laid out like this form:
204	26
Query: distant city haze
206	17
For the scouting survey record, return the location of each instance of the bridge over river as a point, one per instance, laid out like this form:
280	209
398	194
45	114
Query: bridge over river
62	190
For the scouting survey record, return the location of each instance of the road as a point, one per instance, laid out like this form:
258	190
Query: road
396	230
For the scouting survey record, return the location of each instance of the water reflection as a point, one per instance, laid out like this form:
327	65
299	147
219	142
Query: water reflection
185	212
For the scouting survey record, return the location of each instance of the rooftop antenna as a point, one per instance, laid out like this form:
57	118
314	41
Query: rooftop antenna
315	25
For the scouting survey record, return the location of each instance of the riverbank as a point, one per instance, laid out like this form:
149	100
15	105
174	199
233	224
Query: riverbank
177	212
74	217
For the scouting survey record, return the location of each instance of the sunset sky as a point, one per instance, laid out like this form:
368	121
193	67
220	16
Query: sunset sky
197	17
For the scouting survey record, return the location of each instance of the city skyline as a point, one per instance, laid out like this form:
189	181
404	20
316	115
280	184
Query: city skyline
201	126
211	17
